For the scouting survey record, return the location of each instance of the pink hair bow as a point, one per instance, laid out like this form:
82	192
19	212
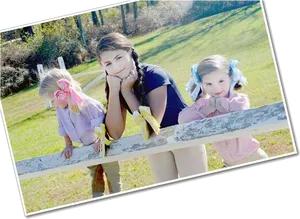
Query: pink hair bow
67	92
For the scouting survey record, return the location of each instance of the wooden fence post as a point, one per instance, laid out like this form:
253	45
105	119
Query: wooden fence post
42	74
61	63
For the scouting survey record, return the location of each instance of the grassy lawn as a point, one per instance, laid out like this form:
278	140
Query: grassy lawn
86	67
239	34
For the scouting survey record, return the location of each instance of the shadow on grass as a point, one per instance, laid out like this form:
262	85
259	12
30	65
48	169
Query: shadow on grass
21	91
183	35
34	117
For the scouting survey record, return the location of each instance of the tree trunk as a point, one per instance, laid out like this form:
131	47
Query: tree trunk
95	18
80	28
153	2
127	8
135	10
26	32
101	17
123	20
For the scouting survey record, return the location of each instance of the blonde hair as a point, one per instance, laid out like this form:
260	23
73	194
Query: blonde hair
48	85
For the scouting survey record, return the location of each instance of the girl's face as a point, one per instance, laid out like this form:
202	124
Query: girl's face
117	63
58	103
216	83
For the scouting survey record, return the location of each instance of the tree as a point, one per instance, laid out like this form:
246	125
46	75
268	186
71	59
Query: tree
77	19
135	10
127	7
95	18
26	32
153	2
101	17
123	20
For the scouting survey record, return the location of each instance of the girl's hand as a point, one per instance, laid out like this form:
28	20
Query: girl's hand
212	102
98	145
222	105
67	152
114	83
210	108
128	82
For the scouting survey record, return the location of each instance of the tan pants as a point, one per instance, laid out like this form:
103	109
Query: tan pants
258	155
178	163
112	173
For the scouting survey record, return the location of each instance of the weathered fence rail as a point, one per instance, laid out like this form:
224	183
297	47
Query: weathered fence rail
249	122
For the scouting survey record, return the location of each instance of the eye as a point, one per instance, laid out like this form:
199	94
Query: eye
119	57
208	84
221	81
108	64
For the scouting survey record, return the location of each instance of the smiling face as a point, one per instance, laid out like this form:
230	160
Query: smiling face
117	62
214	73
216	83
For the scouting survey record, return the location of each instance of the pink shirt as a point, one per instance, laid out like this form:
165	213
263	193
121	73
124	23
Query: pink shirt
80	127
230	150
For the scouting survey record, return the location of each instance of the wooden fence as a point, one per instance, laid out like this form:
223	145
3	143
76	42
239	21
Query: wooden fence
249	122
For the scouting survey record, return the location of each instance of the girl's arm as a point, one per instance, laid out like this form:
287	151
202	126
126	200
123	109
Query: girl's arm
157	100
67	152
131	100
68	141
238	102
197	111
116	112
157	97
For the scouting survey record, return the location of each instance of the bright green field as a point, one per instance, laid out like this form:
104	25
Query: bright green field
239	34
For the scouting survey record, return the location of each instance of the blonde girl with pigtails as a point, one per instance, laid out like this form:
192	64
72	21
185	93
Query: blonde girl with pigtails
80	118
211	87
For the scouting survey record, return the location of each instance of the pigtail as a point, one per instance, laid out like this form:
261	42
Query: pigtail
138	87
237	86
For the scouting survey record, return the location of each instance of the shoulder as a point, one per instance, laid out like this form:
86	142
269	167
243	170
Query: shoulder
239	96
192	112
60	111
154	70
89	103
62	114
154	77
197	105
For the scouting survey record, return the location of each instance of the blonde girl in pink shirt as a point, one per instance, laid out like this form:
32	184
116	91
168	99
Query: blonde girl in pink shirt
211	87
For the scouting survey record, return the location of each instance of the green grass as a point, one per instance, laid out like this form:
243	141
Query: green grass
239	34
86	67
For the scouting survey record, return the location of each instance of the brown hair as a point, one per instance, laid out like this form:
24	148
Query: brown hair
213	63
115	41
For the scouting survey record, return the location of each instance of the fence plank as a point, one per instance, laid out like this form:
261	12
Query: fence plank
42	74
94	82
253	121
86	73
61	63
